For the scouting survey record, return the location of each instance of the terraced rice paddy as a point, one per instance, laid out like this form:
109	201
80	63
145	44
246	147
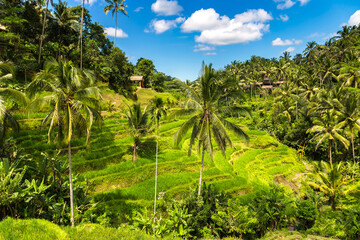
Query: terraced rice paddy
118	183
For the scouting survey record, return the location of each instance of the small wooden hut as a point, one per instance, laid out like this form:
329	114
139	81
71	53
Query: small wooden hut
138	79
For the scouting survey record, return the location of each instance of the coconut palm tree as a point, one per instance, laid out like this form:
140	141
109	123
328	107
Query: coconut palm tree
157	110
7	73
327	127
116	6
280	69
349	115
81	31
309	52
206	123
74	100
329	179
65	19
351	74
138	124
43	27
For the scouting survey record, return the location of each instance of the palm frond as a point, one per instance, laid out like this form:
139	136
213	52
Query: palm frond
184	128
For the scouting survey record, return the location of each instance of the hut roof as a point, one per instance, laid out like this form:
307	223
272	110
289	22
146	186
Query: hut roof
279	82
2	27
136	78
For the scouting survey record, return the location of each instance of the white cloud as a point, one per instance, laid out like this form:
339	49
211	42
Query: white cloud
330	35
90	2
221	30
289	49
131	58
210	53
316	35
138	9
284	17
203	47
303	2
355	18
166	8
119	32
286	42
284	4
160	26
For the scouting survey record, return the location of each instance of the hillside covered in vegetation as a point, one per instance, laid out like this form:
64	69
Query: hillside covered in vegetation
264	148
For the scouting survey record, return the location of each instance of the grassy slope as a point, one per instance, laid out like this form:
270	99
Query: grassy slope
121	185
30	229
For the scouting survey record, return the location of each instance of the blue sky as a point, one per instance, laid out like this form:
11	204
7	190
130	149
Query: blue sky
179	35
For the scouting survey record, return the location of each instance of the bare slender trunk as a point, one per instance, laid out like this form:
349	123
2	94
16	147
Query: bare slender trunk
201	170
81	31
257	104
330	156
251	87
115	26
43	31
134	152
156	163
71	187
352	145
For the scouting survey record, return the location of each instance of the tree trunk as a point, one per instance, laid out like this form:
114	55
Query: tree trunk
134	152
251	87
201	170
330	156
333	203
156	163
81	31
115	26
352	145
71	187
43	32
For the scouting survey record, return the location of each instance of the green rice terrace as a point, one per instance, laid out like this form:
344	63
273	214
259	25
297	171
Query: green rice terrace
119	183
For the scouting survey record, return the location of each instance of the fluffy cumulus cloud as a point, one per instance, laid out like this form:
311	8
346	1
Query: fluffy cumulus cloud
166	8
289	49
221	30
203	47
119	32
355	18
285	4
286	42
160	26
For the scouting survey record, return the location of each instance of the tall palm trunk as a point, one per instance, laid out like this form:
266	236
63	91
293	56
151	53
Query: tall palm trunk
71	187
81	31
156	162
115	26
251	91
330	156
352	146
134	151
43	31
202	167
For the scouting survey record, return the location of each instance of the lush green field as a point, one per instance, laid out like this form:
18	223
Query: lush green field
121	185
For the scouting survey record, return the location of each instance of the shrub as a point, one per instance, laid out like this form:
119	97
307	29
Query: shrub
306	214
11	229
